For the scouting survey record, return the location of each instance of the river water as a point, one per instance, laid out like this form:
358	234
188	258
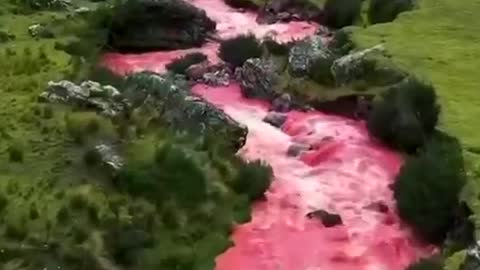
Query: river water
347	174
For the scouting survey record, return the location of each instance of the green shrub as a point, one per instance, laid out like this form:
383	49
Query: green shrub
237	50
406	116
181	64
428	186
6	36
47	112
83	125
320	71
253	179
426	264
33	212
15	153
78	202
16	230
3	202
172	173
275	47
382	11
245	4
92	157
63	215
341	13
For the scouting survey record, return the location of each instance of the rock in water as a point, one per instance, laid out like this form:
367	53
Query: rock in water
160	24
275	119
258	78
296	149
328	219
304	53
282	104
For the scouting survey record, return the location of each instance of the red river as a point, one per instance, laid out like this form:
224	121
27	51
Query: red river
345	174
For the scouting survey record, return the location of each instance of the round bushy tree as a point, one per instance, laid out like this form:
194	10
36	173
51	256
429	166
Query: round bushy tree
407	114
237	50
382	11
341	13
428	186
253	179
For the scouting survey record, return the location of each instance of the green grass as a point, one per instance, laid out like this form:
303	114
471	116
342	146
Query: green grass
439	42
52	196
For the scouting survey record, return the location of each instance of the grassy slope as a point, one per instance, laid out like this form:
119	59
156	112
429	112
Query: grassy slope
53	173
439	42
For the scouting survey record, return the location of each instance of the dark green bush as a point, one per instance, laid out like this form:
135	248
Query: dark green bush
275	47
92	157
181	64
341	42
3	202
426	264
245	4
15	153
237	50
406	116
341	13
320	71
253	179
382	11
6	36
47	112
63	215
172	173
428	186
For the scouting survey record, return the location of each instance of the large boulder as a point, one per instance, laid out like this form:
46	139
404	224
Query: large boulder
275	119
169	99
368	65
304	53
258	78
159	24
105	99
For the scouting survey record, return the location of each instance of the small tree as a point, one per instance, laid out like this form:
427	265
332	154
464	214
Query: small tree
253	179
237	50
341	13
428	186
407	115
15	153
382	11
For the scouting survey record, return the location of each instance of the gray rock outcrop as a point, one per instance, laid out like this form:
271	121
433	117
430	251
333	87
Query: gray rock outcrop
258	78
87	95
304	53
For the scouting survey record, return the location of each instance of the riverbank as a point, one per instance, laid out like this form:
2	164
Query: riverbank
446	53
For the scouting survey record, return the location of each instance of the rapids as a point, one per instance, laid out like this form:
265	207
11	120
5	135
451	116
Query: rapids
345	174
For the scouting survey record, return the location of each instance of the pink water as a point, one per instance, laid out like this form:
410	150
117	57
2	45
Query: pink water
344	174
